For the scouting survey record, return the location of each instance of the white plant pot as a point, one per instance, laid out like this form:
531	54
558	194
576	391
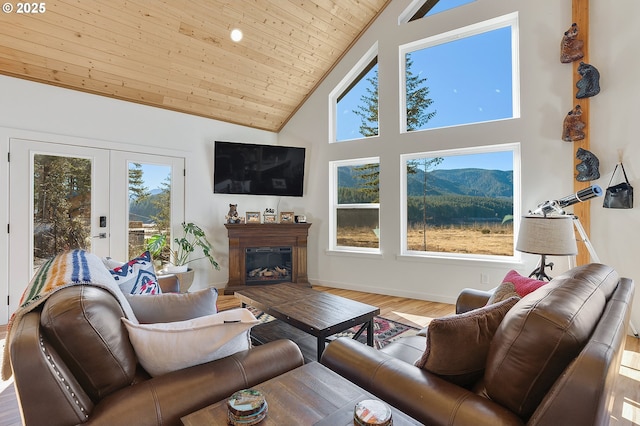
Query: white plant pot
185	279
173	269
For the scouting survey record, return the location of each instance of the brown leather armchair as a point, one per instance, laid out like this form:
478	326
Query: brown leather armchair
73	363
552	361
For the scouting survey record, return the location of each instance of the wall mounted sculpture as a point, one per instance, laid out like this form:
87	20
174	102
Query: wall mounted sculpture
588	168
571	47
572	127
589	84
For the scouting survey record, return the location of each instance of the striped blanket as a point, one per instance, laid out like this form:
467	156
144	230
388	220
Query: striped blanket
76	267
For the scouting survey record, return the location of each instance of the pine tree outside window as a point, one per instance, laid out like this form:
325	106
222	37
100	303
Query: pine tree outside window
354	102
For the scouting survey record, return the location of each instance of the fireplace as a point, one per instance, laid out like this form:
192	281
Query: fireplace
265	265
267	253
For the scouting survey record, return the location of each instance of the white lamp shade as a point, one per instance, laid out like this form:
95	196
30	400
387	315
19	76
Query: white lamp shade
551	235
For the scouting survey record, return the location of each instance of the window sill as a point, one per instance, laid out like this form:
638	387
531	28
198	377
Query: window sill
452	258
354	253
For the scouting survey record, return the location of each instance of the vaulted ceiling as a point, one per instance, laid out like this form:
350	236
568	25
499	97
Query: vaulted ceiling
178	55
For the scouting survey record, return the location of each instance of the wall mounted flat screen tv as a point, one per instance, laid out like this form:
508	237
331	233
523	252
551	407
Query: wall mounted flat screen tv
245	168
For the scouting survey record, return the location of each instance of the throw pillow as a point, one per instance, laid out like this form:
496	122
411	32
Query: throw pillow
171	307
137	276
111	263
165	347
503	292
457	345
523	285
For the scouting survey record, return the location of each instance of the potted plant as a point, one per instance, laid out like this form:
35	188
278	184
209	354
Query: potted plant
193	238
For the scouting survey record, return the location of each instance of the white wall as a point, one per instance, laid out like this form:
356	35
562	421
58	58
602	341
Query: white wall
614	50
41	112
547	94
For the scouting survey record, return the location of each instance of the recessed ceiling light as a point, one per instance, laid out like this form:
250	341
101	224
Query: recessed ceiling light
236	35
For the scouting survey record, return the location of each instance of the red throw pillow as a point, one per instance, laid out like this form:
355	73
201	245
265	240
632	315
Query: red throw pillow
523	285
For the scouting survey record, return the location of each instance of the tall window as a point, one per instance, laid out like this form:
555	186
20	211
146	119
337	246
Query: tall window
355	205
460	202
422	8
354	102
465	76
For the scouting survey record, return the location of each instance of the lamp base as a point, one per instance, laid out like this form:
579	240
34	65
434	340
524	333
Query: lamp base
539	272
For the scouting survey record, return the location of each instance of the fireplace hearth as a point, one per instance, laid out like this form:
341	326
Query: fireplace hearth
267	253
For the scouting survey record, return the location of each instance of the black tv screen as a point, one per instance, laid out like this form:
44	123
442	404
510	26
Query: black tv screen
245	168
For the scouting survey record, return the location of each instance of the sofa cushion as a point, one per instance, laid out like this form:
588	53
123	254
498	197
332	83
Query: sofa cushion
166	347
171	307
83	324
137	276
503	292
457	345
542	334
523	285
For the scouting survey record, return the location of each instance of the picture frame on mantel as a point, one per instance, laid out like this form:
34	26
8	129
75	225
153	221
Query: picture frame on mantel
253	217
286	217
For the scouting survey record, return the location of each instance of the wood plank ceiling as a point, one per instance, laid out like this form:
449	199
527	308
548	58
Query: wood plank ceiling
178	55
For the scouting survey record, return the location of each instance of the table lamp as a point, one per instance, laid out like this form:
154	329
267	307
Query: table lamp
546	236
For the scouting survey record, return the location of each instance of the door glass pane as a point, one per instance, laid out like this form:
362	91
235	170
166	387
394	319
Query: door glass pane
149	205
61	205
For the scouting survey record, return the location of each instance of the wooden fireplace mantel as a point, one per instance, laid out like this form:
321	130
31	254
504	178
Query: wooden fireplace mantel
243	236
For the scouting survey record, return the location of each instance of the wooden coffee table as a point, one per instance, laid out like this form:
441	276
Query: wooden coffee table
314	312
308	395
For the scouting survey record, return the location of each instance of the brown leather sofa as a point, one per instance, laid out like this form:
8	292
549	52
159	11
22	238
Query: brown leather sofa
73	364
552	361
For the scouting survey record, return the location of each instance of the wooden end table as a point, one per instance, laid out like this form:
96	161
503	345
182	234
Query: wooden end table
308	395
314	312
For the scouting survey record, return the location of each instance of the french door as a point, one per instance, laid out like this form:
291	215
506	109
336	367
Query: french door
67	196
150	193
58	195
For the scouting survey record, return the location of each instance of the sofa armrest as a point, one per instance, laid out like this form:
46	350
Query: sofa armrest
163	400
422	395
470	299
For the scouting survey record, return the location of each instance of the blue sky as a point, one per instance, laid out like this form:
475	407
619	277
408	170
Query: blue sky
443	5
469	80
489	161
154	174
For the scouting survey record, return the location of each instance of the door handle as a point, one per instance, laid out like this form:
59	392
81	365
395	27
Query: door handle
101	235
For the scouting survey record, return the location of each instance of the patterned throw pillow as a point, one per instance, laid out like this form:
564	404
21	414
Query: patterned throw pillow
523	285
503	292
137	276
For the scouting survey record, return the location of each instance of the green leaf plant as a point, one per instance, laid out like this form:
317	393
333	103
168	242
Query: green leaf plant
193	237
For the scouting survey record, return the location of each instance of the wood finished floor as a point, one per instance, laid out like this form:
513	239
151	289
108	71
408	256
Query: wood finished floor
626	403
